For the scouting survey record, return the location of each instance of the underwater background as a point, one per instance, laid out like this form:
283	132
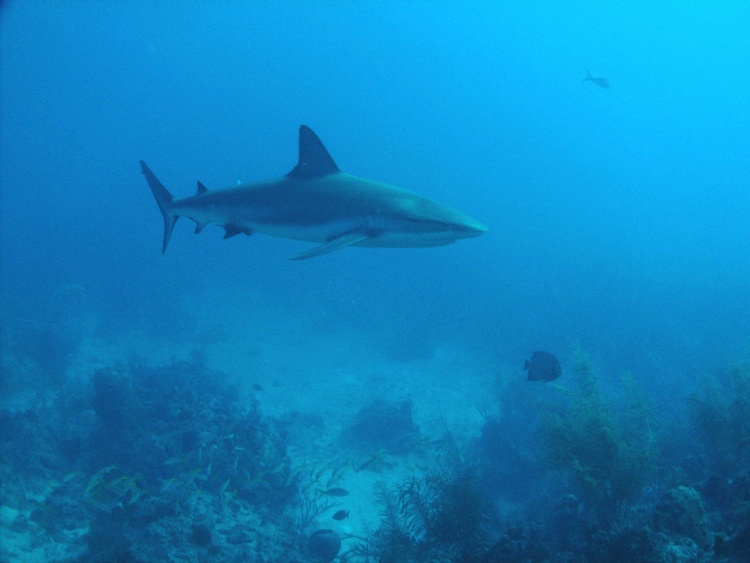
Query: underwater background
220	402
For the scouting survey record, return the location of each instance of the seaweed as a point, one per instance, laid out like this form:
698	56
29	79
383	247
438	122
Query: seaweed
431	518
417	502
606	459
520	544
719	414
311	503
391	542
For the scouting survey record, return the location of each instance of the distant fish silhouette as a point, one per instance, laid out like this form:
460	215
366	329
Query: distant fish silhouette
336	492
340	515
601	82
543	366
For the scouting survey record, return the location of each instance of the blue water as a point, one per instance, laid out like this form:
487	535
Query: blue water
618	217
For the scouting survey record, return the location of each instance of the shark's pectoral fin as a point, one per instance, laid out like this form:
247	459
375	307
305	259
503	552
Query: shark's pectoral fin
331	245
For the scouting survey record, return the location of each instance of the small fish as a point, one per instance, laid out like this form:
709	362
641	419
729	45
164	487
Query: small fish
105	506
336	492
258	387
97	478
136	495
341	514
338	472
373	460
173	461
166	485
601	82
543	366
69	476
67	290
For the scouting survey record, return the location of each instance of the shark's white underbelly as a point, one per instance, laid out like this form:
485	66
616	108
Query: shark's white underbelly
376	235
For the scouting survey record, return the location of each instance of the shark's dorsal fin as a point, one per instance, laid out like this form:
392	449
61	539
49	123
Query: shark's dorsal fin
201	189
314	160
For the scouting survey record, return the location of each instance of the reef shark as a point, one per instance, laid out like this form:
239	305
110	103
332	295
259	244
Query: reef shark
316	202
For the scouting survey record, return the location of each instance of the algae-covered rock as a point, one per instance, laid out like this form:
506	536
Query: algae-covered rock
201	535
685	550
382	424
324	545
681	511
8	516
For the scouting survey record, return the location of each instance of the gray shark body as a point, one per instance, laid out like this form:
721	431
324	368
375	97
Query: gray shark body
316	202
601	82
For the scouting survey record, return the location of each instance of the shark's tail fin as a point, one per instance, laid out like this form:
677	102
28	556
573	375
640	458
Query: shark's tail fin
164	199
588	76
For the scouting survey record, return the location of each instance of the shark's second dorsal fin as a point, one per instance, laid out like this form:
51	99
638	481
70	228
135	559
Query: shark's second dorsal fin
314	160
201	189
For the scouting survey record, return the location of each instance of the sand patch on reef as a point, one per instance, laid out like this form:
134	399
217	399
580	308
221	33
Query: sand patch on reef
329	377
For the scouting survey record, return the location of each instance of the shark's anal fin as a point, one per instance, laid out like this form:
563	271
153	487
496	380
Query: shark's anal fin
331	245
232	230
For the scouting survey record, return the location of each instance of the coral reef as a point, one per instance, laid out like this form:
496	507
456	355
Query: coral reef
168	460
144	463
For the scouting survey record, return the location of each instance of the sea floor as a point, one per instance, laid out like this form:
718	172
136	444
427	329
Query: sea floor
241	430
317	381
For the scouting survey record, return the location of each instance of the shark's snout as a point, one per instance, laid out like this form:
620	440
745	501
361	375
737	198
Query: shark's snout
466	227
474	229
